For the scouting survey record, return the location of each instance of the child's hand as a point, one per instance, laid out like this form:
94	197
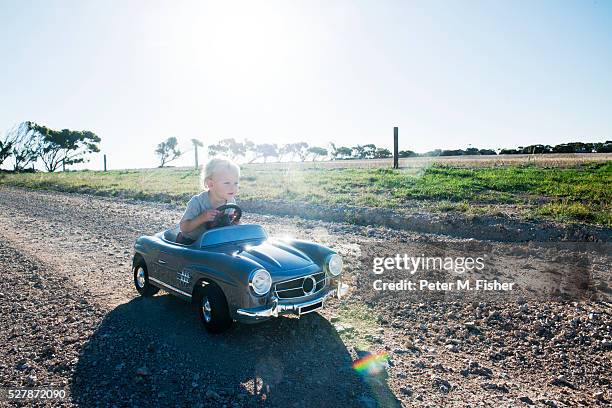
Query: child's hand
209	215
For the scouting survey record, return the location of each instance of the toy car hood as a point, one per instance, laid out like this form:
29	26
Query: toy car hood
251	243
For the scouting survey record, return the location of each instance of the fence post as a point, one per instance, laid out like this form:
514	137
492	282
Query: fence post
395	148
63	165
104	162
196	156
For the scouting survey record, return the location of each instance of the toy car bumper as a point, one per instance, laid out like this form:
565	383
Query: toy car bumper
300	308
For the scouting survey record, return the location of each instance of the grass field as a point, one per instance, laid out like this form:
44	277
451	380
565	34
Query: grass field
568	193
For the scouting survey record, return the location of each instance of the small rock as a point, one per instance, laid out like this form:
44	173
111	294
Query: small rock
442	385
470	325
526	400
561	381
476	369
495	387
406	390
344	328
452	347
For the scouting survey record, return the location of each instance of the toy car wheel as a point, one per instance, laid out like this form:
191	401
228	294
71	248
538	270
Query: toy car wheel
141	280
213	309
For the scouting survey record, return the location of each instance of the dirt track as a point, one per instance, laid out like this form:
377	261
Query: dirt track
71	318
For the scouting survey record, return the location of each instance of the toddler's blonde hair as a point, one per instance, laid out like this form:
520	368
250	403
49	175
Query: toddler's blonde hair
213	166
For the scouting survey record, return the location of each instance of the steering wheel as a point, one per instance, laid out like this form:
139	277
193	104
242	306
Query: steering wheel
222	219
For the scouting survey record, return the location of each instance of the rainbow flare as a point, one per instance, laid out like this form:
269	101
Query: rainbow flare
371	363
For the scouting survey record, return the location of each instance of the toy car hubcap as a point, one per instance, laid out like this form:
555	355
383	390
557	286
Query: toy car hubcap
140	278
206	310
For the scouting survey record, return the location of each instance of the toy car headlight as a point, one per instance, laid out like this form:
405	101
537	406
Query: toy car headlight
260	281
334	264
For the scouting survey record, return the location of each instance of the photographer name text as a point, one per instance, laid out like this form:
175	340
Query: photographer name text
458	285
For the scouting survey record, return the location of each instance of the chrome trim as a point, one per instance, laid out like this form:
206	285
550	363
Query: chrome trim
161	262
207	311
141	278
324	279
253	287
184	277
169	286
342	290
276	308
326	264
313	282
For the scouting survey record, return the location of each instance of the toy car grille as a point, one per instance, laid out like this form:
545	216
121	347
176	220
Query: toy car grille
299	287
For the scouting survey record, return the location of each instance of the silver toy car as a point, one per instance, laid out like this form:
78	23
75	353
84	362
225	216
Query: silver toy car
237	273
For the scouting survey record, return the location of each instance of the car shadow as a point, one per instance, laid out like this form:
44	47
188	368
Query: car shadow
155	352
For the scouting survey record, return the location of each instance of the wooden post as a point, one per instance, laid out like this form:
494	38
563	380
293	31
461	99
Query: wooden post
395	148
104	162
196	156
63	165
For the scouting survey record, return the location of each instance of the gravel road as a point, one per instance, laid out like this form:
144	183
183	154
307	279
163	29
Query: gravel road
70	318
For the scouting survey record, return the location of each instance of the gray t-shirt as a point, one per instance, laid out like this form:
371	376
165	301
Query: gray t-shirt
196	206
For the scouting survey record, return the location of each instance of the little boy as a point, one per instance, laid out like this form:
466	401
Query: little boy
220	184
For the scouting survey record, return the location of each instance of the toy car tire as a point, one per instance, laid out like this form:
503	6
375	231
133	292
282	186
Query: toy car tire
141	280
213	309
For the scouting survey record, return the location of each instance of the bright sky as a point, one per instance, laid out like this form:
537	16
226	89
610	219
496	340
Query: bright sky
448	73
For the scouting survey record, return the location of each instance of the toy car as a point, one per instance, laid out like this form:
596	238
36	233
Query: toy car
237	273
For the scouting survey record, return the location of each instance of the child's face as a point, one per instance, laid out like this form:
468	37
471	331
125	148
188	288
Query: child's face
224	184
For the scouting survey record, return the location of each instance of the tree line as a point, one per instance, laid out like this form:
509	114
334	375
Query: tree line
29	143
250	152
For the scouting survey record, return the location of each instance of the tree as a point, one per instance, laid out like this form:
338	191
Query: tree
358	151
457	152
196	144
64	146
406	153
369	150
301	150
344	152
249	147
5	150
23	143
228	147
317	152
537	149
433	153
364	152
168	151
605	147
217	149
285	150
333	151
487	152
382	153
266	150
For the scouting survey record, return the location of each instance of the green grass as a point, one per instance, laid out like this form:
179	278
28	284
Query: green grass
568	194
358	324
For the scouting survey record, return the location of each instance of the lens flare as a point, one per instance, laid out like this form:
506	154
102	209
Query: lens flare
372	363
